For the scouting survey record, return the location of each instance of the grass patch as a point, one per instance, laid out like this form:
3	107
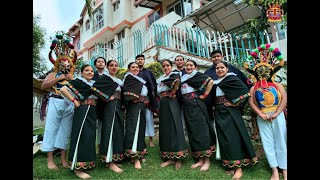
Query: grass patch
151	169
38	131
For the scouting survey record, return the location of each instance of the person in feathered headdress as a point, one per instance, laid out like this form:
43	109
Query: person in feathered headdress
60	112
268	100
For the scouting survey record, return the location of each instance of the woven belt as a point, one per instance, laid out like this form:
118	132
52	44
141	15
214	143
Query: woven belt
89	101
165	93
220	99
117	95
190	96
143	98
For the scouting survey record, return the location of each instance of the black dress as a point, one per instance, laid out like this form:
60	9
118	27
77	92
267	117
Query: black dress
234	141
84	123
171	134
199	126
112	118
135	123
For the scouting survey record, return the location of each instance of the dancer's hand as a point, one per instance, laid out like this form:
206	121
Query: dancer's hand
264	116
111	98
76	103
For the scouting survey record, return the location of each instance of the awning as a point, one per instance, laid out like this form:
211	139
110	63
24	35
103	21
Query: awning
148	3
221	15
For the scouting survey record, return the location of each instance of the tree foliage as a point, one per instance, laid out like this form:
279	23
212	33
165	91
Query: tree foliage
252	27
78	66
155	67
38	44
121	72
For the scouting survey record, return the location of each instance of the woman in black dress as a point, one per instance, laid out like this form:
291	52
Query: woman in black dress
108	87
82	153
198	123
135	97
171	135
234	141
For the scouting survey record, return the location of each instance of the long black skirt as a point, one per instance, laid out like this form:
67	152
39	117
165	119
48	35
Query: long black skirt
132	112
234	141
112	113
171	134
86	156
200	129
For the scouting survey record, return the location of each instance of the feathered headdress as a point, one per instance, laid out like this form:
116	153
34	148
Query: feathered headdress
66	56
263	63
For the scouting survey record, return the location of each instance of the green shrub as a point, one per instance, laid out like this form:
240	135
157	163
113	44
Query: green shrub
121	72
155	67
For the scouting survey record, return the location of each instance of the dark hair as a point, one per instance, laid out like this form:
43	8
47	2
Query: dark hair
194	63
179	56
223	62
167	61
215	51
84	66
95	61
129	65
140	55
108	63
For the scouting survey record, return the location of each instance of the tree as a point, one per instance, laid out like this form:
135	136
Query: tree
89	8
38	44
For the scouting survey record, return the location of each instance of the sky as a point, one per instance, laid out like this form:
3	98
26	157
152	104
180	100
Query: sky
56	15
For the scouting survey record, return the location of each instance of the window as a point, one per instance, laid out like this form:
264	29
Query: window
178	9
78	45
98	19
154	17
121	35
116	5
188	7
87	25
110	44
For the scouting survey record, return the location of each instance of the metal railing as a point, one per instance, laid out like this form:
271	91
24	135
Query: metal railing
235	47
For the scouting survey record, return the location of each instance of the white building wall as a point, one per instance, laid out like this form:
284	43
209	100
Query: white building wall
126	7
116	16
168	19
107	13
86	34
140	25
195	4
138	12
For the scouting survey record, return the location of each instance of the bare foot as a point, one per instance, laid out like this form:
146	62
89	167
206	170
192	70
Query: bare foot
115	168
119	165
137	164
284	174
206	165
230	172
275	174
151	144
64	163
198	164
178	164
52	165
237	174
168	163
82	174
